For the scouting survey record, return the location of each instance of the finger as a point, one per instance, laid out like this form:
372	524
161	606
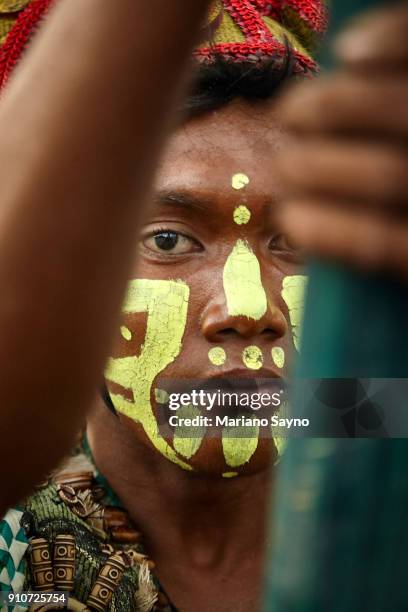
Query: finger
377	40
361	239
346	103
372	175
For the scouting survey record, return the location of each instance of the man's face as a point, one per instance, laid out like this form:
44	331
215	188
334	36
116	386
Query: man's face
216	291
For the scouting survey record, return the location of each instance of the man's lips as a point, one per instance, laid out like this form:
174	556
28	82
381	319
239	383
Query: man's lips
242	379
245	373
238	381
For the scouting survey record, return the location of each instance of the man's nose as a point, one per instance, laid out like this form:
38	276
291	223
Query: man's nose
217	325
243	308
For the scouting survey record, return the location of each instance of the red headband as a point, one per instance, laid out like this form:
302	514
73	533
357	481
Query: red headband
242	30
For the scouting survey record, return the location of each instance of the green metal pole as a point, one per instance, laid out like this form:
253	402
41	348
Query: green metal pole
339	540
355	325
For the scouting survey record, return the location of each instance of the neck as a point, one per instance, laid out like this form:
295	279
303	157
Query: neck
204	520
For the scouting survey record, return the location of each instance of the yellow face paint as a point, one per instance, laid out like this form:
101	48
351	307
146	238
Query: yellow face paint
230	474
188	446
125	333
293	293
166	304
238	449
239	181
280	442
278	356
252	357
242	283
217	356
241	215
161	396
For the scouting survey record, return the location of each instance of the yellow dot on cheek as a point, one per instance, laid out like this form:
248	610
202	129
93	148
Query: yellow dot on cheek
239	181
278	356
252	357
217	356
126	333
242	215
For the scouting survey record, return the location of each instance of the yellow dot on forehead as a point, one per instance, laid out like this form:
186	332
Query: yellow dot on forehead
252	357
217	356
126	333
239	181
242	215
278	356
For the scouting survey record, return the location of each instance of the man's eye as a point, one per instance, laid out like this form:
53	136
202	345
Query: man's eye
167	241
282	243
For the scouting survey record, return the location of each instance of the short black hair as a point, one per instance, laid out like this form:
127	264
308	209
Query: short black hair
221	81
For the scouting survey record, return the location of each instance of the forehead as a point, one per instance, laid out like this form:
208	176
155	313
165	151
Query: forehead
206	151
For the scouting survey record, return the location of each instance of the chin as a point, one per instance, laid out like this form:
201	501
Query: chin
211	458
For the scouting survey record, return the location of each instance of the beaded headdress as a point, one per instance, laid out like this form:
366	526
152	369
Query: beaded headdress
260	30
237	31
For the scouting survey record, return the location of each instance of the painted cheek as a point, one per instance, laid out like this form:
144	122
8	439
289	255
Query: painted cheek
293	294
166	303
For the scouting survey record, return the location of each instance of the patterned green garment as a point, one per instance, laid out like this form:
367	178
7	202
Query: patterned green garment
13	547
62	507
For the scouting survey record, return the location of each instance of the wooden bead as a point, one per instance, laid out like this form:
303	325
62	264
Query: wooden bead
41	565
79	481
106	583
115	517
64	562
125	535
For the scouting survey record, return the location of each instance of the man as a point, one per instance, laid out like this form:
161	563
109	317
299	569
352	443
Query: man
215	291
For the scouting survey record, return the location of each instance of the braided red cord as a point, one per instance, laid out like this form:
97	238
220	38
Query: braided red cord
241	52
19	37
268	8
313	12
260	41
249	20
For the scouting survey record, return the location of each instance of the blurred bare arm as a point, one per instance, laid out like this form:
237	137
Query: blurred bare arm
81	126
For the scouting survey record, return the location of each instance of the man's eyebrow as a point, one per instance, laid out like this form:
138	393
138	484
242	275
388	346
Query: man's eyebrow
181	199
